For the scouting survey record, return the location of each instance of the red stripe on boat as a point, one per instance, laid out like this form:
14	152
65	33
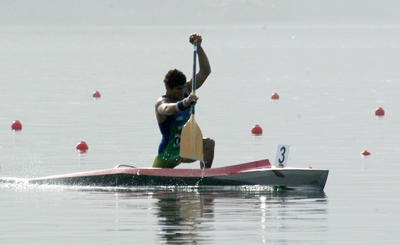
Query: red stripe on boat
222	171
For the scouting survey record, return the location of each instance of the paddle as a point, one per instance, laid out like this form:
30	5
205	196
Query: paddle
191	136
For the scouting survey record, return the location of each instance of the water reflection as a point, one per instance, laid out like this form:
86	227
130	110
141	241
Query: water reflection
184	217
181	215
195	216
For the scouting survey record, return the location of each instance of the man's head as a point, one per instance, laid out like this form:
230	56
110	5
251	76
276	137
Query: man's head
175	82
174	78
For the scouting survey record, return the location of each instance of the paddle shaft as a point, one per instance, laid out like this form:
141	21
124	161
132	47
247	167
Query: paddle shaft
194	75
191	136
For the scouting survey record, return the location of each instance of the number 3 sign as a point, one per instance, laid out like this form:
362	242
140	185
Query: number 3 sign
282	156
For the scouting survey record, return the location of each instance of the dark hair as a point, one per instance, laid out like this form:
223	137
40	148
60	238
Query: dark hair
174	78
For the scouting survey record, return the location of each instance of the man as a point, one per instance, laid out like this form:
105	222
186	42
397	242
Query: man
172	112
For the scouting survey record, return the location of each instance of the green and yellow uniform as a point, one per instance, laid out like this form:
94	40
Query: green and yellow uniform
168	151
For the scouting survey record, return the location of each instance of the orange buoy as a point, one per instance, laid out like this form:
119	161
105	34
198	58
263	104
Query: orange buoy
96	94
256	129
82	146
16	125
365	153
275	96
379	111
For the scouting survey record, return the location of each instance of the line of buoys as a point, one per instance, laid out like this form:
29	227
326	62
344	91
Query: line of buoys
257	130
16	125
379	111
275	96
82	146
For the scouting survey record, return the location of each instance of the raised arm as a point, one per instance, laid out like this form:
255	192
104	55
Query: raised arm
205	68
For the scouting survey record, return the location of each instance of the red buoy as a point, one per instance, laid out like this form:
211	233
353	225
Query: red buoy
365	153
275	96
16	125
256	129
379	112
96	94
82	146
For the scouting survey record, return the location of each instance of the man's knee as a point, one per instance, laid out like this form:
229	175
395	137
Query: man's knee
209	144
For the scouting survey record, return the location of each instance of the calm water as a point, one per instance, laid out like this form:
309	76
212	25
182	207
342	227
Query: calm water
330	80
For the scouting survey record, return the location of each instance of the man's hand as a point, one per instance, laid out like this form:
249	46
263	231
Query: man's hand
195	38
191	99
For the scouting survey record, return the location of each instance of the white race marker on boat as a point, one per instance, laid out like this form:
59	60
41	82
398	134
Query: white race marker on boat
282	156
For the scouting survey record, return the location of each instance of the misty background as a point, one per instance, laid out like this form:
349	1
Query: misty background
196	12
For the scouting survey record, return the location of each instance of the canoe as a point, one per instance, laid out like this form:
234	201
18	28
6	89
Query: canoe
259	173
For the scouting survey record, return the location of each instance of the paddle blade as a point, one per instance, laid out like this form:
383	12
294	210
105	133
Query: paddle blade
191	141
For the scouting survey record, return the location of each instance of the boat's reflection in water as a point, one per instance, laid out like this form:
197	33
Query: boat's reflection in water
184	217
194	215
